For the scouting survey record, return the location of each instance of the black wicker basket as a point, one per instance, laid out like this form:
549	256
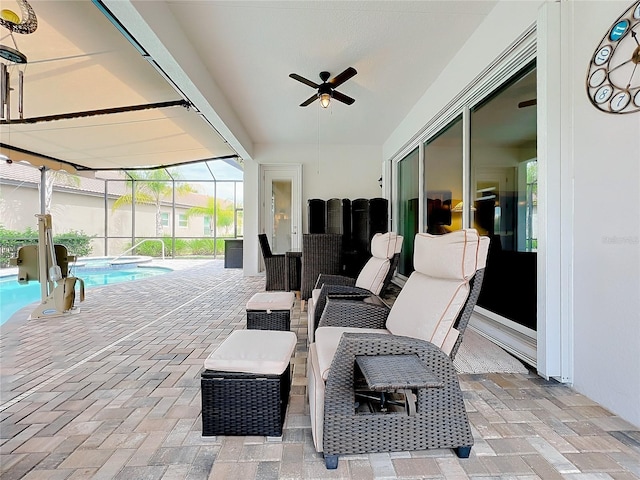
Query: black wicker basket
268	320
244	403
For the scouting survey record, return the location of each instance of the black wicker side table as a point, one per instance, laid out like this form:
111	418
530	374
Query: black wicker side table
270	311
246	382
400	373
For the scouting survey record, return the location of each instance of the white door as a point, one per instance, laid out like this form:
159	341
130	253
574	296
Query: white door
282	206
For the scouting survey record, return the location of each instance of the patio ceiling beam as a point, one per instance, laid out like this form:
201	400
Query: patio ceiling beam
16	154
103	111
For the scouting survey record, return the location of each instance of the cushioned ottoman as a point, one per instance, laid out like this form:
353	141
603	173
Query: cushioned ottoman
270	311
246	383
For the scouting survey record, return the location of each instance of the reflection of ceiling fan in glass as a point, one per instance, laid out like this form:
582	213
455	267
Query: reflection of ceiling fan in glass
528	103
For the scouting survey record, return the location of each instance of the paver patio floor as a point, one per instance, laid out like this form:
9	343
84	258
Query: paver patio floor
114	392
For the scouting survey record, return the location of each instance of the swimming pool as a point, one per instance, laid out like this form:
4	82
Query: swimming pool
94	272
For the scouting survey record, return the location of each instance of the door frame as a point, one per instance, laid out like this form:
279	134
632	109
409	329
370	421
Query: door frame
292	172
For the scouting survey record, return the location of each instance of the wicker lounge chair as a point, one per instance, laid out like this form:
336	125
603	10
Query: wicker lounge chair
321	253
374	277
275	266
435	302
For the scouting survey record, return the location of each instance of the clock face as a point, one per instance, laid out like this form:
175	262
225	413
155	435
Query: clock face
613	79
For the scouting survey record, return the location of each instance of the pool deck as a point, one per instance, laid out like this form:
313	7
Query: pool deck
114	392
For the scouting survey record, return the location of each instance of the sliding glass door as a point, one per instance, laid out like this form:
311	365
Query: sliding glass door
407	205
503	188
443	161
480	170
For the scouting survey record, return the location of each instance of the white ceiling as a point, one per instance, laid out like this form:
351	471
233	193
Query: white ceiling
397	47
242	53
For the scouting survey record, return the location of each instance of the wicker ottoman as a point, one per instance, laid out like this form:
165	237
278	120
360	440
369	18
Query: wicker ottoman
270	311
246	382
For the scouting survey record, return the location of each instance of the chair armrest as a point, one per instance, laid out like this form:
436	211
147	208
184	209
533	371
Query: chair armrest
440	421
293	269
467	310
344	312
275	267
325	279
336	291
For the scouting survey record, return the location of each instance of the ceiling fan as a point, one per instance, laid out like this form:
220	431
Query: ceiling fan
327	89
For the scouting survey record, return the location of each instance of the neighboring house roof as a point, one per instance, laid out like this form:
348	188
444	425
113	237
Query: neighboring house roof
29	176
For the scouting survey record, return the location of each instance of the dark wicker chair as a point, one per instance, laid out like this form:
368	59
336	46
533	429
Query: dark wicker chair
426	408
343	286
321	253
439	421
341	311
275	266
350	281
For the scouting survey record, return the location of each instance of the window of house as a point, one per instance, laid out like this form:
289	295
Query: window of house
182	220
164	218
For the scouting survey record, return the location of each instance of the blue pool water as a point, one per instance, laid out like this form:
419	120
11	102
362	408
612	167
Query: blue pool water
14	296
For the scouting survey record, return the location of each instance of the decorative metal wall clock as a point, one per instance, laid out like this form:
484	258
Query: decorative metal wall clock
613	79
15	24
12	22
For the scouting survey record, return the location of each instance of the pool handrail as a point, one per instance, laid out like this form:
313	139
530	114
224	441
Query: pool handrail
138	244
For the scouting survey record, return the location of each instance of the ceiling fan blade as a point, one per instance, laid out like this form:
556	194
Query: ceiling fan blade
297	77
309	100
341	97
528	103
339	79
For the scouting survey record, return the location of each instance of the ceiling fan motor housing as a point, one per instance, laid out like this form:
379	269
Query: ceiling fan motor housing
325	88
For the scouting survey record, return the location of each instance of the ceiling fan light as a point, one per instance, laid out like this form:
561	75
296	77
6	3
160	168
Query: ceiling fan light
325	98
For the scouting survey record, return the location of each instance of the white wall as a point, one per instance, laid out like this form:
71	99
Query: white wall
599	175
251	201
508	20
604	154
328	171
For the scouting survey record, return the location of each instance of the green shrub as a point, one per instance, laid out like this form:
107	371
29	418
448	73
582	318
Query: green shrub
203	246
77	242
220	246
183	247
153	248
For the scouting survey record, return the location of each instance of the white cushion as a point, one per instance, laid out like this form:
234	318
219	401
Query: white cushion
373	274
426	307
454	255
326	344
483	252
315	391
386	245
265	352
271	301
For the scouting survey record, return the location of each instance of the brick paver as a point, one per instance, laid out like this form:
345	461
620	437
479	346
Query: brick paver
113	392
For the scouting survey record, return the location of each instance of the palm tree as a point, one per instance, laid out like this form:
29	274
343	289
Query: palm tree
220	210
59	177
151	187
